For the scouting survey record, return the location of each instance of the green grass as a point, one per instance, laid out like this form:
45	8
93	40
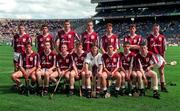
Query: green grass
10	101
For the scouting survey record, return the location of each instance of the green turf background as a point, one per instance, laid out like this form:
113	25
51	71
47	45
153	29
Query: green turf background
10	101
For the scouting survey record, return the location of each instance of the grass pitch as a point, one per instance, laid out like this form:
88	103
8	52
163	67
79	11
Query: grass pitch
10	101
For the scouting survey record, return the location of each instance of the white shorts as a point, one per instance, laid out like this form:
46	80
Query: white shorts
16	56
160	60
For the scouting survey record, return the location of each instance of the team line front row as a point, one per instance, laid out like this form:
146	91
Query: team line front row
121	67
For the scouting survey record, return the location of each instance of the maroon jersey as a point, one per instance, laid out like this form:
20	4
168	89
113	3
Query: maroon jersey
88	39
28	61
19	42
47	61
42	39
113	40
145	62
79	59
110	62
137	40
64	63
127	60
156	44
67	38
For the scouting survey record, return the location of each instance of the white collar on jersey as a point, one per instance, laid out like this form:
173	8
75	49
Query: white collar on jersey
90	32
66	31
29	54
48	52
64	55
142	54
109	35
155	35
127	53
111	55
21	35
132	36
45	35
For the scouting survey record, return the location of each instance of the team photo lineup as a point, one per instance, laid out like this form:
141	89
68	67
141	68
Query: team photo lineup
89	65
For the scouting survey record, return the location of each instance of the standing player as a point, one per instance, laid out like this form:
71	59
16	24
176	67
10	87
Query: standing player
110	69
46	65
19	41
78	72
109	38
145	61
156	43
27	66
93	61
127	60
89	37
44	37
67	36
134	39
64	65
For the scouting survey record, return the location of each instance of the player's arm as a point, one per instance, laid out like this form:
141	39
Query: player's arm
131	65
142	70
101	46
74	67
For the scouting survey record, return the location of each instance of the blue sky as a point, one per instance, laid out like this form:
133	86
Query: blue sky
46	9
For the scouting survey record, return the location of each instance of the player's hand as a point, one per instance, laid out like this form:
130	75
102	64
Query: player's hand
148	68
26	76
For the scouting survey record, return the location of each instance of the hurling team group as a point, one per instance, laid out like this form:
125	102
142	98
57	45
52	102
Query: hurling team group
76	57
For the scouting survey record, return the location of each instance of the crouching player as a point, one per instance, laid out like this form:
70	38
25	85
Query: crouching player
145	61
78	70
110	69
127	60
93	68
27	66
64	64
46	66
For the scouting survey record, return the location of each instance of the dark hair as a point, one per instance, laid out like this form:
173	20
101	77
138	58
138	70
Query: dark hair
67	21
28	43
78	43
126	43
143	44
44	25
94	44
21	24
132	25
109	25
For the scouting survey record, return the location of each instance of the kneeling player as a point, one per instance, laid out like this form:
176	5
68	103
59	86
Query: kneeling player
145	62
27	66
93	68
46	65
127	60
78	67
110	69
64	66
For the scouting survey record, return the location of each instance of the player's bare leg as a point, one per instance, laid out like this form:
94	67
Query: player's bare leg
16	78
104	82
118	78
123	84
83	83
154	77
53	76
67	77
39	75
88	83
72	77
162	79
140	83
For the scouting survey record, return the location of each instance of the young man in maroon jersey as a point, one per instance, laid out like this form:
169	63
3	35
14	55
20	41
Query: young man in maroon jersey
145	61
67	36
127	61
89	37
78	72
46	66
27	66
110	69
134	39
156	43
64	64
45	36
18	43
109	38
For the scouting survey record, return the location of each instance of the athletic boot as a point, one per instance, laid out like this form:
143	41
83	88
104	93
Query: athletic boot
156	94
